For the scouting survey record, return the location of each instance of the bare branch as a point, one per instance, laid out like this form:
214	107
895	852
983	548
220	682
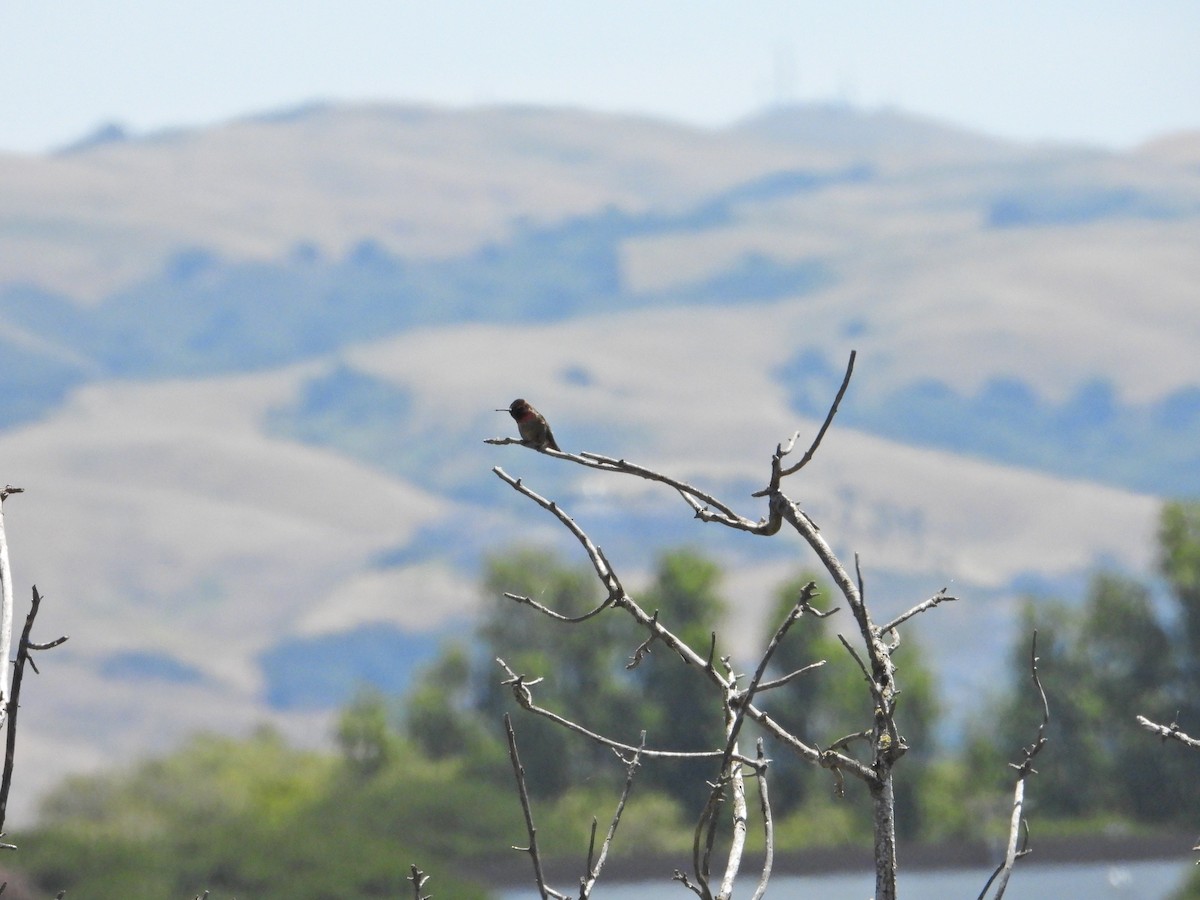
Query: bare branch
938	598
701	502
500	442
686	882
787	679
844	742
880	703
531	829
1169	732
705	837
643	649
689	492
418	878
14	702
801	606
557	616
612	583
732	771
520	687
1024	770
605	573
594	871
661	633
778	472
768	823
807	458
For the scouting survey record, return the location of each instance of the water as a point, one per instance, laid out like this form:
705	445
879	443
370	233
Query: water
1155	880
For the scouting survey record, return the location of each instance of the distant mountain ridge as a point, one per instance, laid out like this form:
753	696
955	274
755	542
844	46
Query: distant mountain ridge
245	373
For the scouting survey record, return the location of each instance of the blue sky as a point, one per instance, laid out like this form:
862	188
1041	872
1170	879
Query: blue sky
1103	72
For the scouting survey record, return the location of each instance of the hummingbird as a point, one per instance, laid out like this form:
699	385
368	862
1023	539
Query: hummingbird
535	430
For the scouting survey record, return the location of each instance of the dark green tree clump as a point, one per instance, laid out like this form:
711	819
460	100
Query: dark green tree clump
1122	653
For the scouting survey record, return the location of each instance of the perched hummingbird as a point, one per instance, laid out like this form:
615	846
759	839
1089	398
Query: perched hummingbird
535	430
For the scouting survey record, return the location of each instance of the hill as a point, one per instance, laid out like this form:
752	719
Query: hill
247	372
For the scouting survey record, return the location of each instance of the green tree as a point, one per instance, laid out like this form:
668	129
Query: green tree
1179	563
680	711
457	704
1101	665
257	818
364	735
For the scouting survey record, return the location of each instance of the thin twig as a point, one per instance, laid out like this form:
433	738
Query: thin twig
939	597
520	686
876	695
557	616
801	606
1024	770
1169	732
643	649
594	871
704	837
418	879
613	464
768	823
14	703
605	573
789	677
682	878
807	458
500	442
530	828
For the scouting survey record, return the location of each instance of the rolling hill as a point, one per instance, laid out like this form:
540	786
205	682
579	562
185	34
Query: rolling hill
247	372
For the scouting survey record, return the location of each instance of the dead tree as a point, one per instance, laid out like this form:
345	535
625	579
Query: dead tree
881	738
10	696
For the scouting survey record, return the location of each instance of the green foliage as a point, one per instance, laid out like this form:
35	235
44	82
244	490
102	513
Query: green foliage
680	709
1190	890
457	704
1179	563
256	818
364	735
582	666
429	781
1114	658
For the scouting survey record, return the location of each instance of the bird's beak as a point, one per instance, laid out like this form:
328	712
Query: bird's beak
502	410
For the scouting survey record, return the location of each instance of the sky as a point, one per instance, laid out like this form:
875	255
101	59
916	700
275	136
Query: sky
1105	72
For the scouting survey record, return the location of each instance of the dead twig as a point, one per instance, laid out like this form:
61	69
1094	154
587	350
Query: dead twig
1018	829
524	697
418	879
530	828
764	804
938	598
1169	732
24	649
593	875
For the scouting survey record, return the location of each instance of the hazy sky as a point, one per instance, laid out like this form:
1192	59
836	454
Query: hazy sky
1099	71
